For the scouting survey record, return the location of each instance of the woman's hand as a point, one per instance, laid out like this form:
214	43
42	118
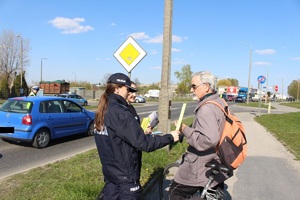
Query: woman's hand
181	127
175	135
148	130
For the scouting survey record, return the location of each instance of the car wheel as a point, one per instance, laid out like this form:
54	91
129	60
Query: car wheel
90	130
137	101
85	103
41	139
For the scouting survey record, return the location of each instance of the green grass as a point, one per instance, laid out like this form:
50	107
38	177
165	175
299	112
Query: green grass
80	177
285	127
293	104
256	104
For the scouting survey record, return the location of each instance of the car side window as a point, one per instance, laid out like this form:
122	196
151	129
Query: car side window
71	107
53	107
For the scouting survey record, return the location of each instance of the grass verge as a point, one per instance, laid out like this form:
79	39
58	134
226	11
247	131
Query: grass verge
292	104
285	127
256	104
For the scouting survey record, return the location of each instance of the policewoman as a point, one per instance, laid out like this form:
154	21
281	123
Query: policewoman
119	139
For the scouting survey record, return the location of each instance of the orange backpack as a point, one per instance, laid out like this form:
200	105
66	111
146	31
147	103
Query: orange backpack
232	148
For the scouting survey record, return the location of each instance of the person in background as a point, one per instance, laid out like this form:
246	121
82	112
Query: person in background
120	139
34	91
202	137
131	99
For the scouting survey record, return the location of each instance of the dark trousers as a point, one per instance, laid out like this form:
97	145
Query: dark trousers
124	191
181	192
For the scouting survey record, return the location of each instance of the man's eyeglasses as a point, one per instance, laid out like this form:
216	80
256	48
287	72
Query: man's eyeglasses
195	86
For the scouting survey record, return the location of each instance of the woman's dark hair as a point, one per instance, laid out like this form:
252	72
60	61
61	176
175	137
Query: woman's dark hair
102	106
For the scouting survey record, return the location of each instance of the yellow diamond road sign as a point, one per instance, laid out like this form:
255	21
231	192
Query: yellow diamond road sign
129	54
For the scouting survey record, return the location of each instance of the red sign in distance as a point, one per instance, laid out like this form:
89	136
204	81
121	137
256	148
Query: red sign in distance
276	88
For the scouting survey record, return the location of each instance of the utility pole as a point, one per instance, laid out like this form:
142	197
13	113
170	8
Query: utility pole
42	69
282	91
164	106
298	91
249	75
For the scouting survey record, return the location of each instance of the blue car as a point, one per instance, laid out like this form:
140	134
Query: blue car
75	97
38	120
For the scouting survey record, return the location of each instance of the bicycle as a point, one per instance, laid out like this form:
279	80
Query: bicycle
207	193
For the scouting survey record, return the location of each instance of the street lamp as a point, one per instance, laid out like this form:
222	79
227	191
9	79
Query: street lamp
42	68
298	91
249	74
21	65
75	78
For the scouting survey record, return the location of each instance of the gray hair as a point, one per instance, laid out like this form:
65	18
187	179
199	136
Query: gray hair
206	77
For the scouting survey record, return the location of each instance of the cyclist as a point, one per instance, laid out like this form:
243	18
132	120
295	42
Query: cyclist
202	137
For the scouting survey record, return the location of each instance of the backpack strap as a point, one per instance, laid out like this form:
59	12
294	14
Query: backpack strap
225	109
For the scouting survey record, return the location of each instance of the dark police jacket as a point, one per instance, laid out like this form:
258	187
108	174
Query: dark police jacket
120	144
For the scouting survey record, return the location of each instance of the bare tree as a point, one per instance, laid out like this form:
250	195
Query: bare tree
13	49
105	78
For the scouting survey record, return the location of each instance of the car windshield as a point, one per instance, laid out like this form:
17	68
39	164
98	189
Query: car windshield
17	106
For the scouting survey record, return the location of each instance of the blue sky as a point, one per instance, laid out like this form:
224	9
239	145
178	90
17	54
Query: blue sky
79	38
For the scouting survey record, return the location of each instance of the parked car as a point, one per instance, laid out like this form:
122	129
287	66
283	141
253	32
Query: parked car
290	98
140	99
75	97
228	97
254	99
240	99
37	120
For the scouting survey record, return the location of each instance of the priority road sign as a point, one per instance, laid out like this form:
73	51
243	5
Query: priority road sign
261	79
129	54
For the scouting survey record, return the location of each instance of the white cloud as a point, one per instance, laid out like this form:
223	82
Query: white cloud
153	52
176	38
176	50
70	26
296	58
179	61
262	63
159	39
140	35
156	68
266	51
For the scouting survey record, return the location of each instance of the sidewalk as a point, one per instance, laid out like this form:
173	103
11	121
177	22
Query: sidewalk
269	172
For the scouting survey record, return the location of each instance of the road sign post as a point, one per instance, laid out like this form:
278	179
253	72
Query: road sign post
261	80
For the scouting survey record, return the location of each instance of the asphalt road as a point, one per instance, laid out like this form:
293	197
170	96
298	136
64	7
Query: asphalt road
19	157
